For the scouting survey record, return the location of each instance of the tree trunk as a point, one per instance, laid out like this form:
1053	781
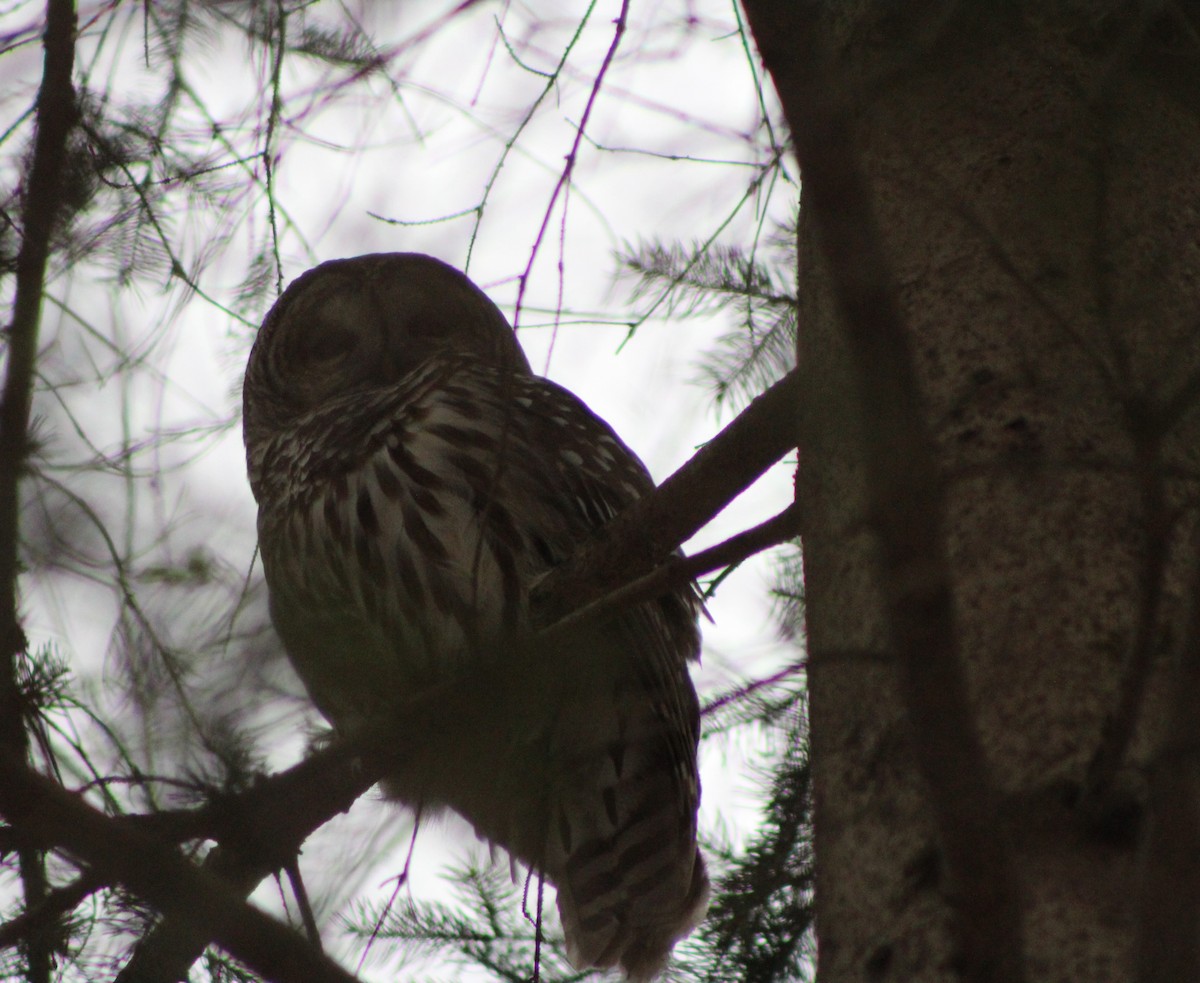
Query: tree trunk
1034	176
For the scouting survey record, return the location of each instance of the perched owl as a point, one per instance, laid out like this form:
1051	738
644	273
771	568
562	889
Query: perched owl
414	481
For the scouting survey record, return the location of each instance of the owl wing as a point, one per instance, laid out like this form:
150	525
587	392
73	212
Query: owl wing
621	847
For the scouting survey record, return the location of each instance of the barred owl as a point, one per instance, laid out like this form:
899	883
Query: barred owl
414	480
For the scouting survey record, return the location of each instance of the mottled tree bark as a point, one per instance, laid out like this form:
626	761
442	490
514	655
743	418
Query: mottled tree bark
1028	175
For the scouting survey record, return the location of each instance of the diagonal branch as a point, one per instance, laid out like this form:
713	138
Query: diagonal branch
907	495
679	571
48	815
258	832
639	539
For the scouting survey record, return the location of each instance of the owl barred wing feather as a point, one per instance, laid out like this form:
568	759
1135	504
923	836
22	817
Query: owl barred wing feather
634	862
414	481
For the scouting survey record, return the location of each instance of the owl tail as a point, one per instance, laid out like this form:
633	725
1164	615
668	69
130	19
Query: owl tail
609	921
621	848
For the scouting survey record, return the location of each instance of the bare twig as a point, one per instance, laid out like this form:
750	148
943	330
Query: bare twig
307	918
279	44
680	571
906	495
564	178
739	693
552	80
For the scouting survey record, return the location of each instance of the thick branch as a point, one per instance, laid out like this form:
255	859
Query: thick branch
259	831
52	817
55	115
55	906
641	537
907	497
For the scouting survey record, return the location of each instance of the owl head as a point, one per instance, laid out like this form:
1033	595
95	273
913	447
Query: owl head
361	323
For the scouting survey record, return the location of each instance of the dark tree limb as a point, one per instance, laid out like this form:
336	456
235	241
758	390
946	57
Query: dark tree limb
906	492
642	536
56	905
679	571
259	831
49	815
40	208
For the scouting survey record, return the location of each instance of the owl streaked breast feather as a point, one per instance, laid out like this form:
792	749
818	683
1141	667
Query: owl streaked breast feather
414	480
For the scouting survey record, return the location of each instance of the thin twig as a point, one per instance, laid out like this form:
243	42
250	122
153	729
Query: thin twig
680	571
740	693
552	80
569	167
268	151
307	918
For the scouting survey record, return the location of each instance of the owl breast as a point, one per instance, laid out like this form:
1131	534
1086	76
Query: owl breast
395	541
390	556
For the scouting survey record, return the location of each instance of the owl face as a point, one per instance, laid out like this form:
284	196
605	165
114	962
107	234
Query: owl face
357	324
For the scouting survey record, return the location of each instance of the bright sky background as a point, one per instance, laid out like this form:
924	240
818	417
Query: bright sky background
414	146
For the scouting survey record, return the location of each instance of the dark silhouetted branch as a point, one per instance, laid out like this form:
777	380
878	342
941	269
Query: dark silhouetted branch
638	540
40	208
51	817
680	571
